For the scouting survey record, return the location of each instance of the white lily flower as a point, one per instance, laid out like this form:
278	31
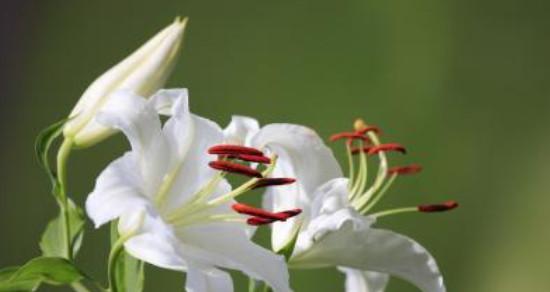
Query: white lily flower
177	210
143	72
335	229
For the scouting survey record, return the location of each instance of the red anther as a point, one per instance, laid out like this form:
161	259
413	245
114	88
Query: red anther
257	212
257	221
273	181
407	169
357	150
228	149
387	147
251	158
349	136
290	213
234	168
445	206
367	129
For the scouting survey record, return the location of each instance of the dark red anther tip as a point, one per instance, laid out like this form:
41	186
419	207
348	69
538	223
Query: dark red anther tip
228	149
257	221
234	168
291	213
349	136
387	147
251	158
407	169
257	212
445	206
273	181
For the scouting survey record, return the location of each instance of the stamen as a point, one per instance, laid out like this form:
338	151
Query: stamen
357	150
251	158
445	206
367	129
257	212
407	169
234	168
387	147
228	149
276	181
349	136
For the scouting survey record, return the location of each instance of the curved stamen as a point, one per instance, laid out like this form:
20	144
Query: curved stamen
234	168
366	129
445	206
229	149
257	212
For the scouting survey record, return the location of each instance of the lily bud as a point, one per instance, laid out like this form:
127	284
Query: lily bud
143	73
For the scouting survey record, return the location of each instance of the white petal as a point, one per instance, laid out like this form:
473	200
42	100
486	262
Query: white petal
228	246
345	238
302	155
240	130
329	198
208	280
192	171
364	281
139	121
165	100
155	242
117	190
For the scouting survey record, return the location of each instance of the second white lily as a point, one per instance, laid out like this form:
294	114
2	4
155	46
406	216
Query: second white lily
333	230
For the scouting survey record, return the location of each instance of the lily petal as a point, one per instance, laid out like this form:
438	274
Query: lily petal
118	189
364	281
140	123
302	155
208	280
154	242
236	252
240	130
345	238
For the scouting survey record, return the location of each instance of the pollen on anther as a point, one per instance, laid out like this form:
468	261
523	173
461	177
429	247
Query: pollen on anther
273	181
445	206
234	168
257	221
229	149
349	136
387	147
251	158
257	212
404	170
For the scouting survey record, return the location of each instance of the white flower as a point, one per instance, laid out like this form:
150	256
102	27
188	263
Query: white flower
333	230
143	73
179	208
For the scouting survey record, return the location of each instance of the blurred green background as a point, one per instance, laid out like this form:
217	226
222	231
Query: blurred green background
462	83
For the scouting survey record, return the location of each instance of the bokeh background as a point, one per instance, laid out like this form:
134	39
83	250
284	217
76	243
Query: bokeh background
462	83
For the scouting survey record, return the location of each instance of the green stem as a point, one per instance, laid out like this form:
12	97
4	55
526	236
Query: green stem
79	287
62	158
116	250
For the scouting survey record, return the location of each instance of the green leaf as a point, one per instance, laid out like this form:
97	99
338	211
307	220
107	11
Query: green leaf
51	270
52	242
22	285
42	146
129	271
